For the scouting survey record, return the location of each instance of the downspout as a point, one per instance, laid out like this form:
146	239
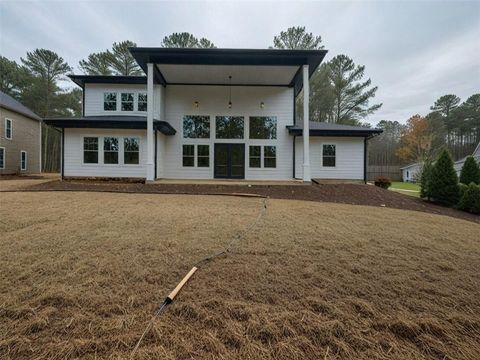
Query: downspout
155	154
365	159
63	153
294	138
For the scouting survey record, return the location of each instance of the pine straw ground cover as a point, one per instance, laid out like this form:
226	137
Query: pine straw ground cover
82	273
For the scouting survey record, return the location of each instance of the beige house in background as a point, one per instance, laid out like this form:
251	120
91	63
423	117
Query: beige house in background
20	138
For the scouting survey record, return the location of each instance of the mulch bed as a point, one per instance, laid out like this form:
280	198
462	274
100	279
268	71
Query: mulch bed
354	194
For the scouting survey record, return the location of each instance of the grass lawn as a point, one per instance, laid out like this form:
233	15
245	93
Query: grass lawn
407	188
82	273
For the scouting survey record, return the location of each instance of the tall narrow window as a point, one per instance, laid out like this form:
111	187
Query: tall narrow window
90	150
110	101
203	155
269	156
255	156
8	129
127	101
229	127
110	150
131	150
2	158
188	155
263	127
328	155
142	102
196	127
23	160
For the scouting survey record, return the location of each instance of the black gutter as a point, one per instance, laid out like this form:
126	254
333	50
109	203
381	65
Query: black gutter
155	157
365	160
63	153
339	133
83	100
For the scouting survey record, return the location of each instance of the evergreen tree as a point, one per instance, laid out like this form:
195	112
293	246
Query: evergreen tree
470	200
121	60
186	40
296	37
470	172
96	64
425	181
443	181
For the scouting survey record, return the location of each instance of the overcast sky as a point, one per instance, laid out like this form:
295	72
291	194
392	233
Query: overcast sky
414	51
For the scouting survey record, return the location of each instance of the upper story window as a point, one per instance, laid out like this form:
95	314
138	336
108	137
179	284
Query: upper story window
196	127
328	155
109	101
127	101
8	129
90	150
229	127
110	150
142	102
263	127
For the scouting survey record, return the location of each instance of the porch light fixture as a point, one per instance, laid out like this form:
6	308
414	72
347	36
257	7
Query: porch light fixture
262	105
195	104
230	95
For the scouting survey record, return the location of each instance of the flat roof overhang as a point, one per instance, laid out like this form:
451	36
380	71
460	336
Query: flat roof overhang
248	67
347	131
81	80
110	122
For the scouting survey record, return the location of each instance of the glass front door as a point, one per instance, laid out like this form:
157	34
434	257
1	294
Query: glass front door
229	161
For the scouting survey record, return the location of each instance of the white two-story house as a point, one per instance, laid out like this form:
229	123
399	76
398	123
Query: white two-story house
206	114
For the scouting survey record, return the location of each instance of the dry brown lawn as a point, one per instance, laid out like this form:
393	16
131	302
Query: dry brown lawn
82	273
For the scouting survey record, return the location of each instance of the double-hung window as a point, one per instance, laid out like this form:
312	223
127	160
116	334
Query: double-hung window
127	102
203	155
23	160
269	156
110	101
328	155
110	150
131	150
90	150
2	158
255	156
142	102
8	129
188	155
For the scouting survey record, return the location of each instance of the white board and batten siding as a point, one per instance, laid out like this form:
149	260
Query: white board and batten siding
213	101
74	165
348	162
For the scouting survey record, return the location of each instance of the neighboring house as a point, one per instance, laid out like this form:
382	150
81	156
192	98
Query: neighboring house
20	138
411	173
459	163
208	113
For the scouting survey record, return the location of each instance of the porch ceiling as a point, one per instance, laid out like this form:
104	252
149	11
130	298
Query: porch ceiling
219	74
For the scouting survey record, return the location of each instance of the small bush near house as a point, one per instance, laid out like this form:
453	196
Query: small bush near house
425	180
462	188
470	200
383	182
443	184
470	172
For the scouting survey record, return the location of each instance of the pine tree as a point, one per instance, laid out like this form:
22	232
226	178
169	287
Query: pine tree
470	200
425	181
470	172
443	182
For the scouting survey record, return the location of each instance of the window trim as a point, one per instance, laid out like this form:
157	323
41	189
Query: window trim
98	150
123	150
118	151
203	156
335	157
198	138
116	101
270	157
243	138
21	160
2	166
133	101
250	156
250	117
8	120
192	156
138	101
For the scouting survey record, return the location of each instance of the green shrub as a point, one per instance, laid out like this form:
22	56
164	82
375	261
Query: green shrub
425	180
443	184
470	200
461	189
470	171
383	182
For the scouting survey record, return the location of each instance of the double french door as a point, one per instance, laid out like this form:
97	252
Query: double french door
229	161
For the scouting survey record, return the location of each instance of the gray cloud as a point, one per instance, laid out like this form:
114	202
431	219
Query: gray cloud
414	51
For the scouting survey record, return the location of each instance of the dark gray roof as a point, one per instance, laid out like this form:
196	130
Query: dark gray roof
329	129
7	102
81	80
110	122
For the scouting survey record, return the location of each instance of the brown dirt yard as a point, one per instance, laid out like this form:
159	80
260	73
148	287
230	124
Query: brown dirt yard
82	273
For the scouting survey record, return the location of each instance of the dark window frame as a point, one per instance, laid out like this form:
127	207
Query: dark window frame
2	162
188	156
256	158
23	160
329	157
203	156
8	129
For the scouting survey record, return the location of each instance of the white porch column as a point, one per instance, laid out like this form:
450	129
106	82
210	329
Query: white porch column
150	140
306	125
